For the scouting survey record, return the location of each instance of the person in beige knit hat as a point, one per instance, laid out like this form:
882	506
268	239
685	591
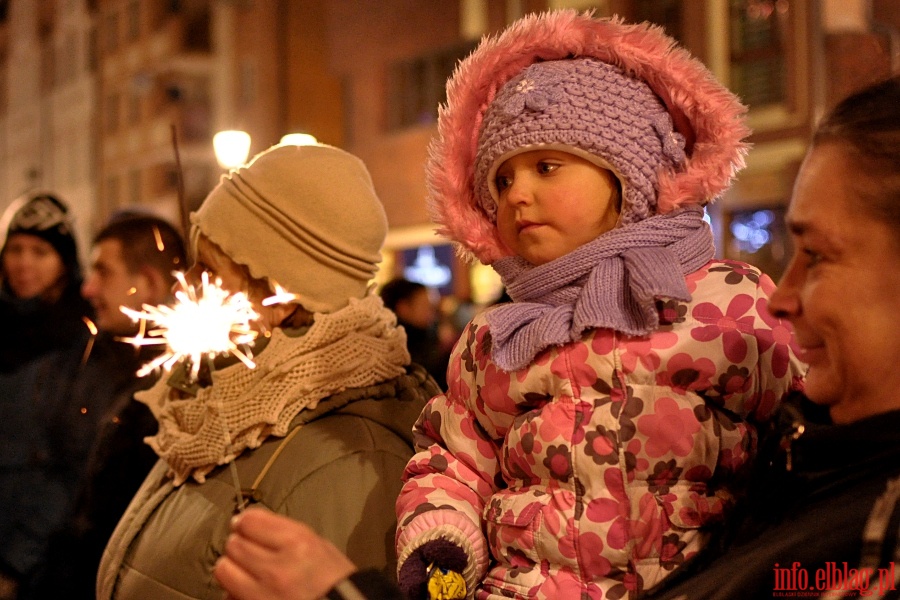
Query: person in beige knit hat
319	429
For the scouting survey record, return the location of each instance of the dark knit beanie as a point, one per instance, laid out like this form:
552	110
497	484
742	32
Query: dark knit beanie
47	217
588	108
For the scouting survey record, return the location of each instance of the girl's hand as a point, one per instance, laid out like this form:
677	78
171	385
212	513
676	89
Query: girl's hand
272	557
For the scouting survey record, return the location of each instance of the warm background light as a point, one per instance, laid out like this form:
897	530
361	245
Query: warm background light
232	148
299	139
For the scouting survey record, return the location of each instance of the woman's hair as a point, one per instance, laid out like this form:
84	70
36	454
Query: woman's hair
868	124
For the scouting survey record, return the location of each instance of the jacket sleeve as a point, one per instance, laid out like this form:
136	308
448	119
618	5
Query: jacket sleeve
455	468
778	369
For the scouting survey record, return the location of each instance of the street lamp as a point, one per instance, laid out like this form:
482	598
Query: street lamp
232	148
298	139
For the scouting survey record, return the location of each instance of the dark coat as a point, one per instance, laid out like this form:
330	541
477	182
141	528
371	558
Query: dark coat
119	461
45	429
803	526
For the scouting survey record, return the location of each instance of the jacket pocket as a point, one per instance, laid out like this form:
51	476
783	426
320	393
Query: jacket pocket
514	525
690	506
690	512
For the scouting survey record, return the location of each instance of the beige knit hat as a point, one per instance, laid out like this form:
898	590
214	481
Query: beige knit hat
306	217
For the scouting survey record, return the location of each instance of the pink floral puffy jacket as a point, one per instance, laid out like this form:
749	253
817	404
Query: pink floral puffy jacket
597	470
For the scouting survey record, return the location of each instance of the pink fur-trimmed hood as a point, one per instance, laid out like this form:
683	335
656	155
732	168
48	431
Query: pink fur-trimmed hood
709	116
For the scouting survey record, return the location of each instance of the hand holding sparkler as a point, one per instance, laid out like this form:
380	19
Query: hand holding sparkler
272	557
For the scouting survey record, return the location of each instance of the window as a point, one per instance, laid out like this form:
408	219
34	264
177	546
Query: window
758	50
759	236
667	13
112	113
112	32
134	20
417	86
430	265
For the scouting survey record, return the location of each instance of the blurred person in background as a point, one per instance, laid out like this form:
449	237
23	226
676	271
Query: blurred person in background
133	261
416	312
45	336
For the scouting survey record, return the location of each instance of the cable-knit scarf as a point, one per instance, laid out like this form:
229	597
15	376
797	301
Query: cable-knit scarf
357	346
611	282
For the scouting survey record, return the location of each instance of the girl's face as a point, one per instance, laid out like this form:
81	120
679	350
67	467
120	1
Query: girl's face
551	202
841	290
32	267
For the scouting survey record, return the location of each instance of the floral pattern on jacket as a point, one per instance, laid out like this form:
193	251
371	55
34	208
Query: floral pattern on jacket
594	471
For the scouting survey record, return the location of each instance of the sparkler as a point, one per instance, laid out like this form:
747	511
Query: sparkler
281	296
203	323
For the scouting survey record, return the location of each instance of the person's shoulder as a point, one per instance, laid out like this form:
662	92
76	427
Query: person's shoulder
729	277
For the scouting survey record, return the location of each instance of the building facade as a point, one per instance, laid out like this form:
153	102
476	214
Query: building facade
113	103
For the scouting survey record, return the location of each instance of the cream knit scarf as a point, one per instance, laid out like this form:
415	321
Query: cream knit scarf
356	346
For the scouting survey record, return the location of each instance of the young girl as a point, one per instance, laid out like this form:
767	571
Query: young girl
595	428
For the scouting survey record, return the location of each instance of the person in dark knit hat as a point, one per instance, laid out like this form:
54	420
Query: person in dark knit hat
597	427
41	277
319	429
43	341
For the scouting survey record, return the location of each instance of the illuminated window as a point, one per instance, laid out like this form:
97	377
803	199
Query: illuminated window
751	231
759	237
430	266
759	30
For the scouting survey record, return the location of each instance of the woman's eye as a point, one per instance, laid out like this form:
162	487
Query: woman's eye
812	257
502	182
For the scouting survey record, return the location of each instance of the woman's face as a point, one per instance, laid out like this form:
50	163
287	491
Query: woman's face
211	258
841	290
32	267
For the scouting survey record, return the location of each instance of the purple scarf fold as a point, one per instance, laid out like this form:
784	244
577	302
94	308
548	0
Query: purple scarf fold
612	282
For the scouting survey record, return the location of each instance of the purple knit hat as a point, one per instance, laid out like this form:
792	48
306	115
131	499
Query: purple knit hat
588	108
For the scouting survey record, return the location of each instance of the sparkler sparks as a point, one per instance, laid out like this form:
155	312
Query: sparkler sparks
281	296
201	324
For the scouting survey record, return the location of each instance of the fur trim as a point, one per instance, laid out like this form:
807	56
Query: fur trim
709	116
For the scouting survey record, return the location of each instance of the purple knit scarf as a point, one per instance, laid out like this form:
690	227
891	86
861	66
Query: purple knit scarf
612	282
